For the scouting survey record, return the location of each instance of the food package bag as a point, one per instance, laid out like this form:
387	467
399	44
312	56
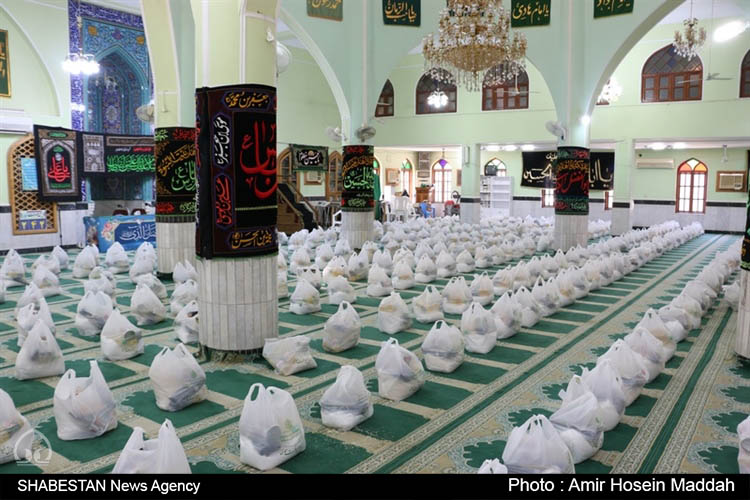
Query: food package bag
312	275
340	290
120	339
346	403
186	323
358	266
282	287
271	430
155	284
177	379
341	331
29	315
323	255
656	327
383	259
521	276
116	259
581	286
61	256
446	265
508	316
483	258
579	426
49	261
630	366
653	352
289	355
530	313
13	270
544	295
146	249
143	264
426	271
163	455
305	299
84	407
85	261
30	294
427	306
537	448
146	306
282	237
700	292
342	248
369	247
393	314
482	290
92	313
492	467
16	434
47	282
184	271
691	307
40	355
593	275
606	385
743	458
336	267
300	258
379	284
402	276
732	294
96	282
400	373
456	296
465	262
443	348
297	240
502	281
670	314
479	329
566	292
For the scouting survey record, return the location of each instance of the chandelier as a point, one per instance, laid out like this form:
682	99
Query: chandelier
611	91
80	63
688	44
438	99
474	36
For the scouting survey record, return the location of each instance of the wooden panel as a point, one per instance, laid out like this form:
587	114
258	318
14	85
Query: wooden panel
26	200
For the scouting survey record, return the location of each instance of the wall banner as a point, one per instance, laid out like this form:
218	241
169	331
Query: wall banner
538	168
606	8
92	149
326	9
572	181
602	172
4	65
309	158
525	13
126	154
57	155
174	155
402	12
236	171
359	179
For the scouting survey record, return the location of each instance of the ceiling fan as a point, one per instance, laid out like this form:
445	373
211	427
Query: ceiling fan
713	76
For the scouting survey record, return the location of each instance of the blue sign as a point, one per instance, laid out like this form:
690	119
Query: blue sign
130	231
29	180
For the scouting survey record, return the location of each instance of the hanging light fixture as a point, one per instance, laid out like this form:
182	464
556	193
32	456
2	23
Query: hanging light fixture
474	36
438	99
688	44
80	63
611	91
443	162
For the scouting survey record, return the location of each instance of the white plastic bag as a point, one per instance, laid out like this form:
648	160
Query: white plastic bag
456	296
347	402
342	248
358	266
508	316
120	339
183	293
29	315
16	436
186	323
300	258
732	294
31	294
492	467
84	407
443	348
403	277
146	306
543	294
656	327
61	256
384	260
177	379
536	448
116	259
426	271
271	430
446	265
479	329
156	286
482	290
630	366
323	255
653	352
101	280
163	455
578	424
379	284
743	457
340	290
146	249
428	305
400	373
143	264
341	331
312	275
503	281
530	313
393	314
92	313
85	261
336	267
49	262
184	271
305	299
289	355
40	355
606	385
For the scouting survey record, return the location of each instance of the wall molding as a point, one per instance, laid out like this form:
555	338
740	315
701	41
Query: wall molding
734	204
469	200
654	202
527	198
621	204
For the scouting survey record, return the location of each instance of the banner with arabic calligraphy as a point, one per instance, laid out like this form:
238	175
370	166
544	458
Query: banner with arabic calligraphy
309	158
327	9
127	154
174	153
92	149
359	179
538	167
129	230
606	8
572	181
602	171
402	12
236	171
57	160
529	13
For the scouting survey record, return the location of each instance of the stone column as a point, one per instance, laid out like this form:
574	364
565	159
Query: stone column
470	184
743	322
622	207
236	164
357	203
571	196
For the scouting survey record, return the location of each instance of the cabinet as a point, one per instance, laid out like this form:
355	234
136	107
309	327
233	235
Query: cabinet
496	196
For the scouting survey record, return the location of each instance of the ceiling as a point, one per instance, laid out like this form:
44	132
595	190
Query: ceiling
703	9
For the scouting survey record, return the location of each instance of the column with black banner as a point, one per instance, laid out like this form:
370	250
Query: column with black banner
743	326
357	201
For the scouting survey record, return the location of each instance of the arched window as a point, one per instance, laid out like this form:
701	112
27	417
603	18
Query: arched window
495	167
426	86
745	78
511	94
668	76
692	183
442	177
406	174
385	101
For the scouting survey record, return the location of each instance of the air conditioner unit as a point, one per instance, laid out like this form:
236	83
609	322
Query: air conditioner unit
15	122
655	163
731	181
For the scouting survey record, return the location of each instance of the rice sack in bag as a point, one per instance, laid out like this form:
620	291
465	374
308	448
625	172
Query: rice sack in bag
156	286
446	265
85	261
482	290
631	368
143	264
378	282
578	424
29	315
403	277
40	355
305	299
479	329
341	331
340	290
16	436
465	262
606	385
177	379
743	458
358	266
289	355
428	305
186	323
508	315
120	339
651	350
536	448
426	270
146	306
61	256
271	430
393	315
492	467
443	348
183	293
347	402
400	373
163	455
456	296
116	259
184	271
92	313
84	406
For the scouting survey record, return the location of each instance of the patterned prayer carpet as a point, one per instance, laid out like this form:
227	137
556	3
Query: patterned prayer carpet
684	421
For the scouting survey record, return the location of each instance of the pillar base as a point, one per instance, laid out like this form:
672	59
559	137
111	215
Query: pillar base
175	242
742	346
238	302
357	228
471	212
621	220
570	231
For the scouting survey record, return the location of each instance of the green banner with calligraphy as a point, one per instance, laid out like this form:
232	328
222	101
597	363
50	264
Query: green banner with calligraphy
4	65
402	12
606	8
529	13
174	155
327	9
359	179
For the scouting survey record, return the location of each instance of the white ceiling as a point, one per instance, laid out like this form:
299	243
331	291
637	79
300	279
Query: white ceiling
703	9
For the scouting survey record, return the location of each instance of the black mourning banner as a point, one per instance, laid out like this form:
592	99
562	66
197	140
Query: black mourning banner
309	158
359	179
92	150
572	181
174	154
58	159
602	172
236	135
538	169
129	154
746	241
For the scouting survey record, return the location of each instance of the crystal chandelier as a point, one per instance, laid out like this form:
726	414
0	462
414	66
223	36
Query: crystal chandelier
611	91
474	36
687	44
80	63
438	99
